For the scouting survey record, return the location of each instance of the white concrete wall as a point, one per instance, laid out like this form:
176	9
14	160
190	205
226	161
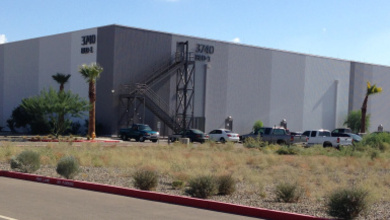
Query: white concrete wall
54	57
2	121
28	67
326	93
77	83
378	104
249	73
21	74
247	83
287	89
250	84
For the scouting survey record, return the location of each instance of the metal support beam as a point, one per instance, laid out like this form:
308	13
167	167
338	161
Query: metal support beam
185	87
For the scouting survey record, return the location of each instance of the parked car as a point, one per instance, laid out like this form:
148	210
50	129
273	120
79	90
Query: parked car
324	138
194	135
270	134
355	138
341	130
223	135
297	137
139	132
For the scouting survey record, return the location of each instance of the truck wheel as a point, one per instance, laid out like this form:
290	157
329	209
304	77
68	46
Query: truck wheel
281	142
327	144
154	141
141	139
124	137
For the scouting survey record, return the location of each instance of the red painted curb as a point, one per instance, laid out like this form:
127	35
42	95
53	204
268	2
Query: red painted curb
76	141
156	196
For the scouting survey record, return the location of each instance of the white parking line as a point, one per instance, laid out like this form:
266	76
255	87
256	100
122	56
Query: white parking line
7	218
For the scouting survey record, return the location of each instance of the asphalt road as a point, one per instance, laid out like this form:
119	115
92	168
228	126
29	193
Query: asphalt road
21	200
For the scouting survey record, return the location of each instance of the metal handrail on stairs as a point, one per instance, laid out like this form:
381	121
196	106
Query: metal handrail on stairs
143	89
161	68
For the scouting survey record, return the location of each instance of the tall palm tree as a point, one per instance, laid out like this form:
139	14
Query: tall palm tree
370	91
91	73
61	79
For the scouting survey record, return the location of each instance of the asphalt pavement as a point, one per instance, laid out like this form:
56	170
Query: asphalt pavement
20	200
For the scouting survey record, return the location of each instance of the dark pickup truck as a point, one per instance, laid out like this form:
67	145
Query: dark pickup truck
139	132
270	134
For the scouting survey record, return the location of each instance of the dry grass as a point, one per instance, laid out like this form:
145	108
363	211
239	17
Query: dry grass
317	170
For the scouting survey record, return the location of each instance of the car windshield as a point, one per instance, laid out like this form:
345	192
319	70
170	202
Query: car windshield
356	137
144	128
196	131
324	134
264	130
228	131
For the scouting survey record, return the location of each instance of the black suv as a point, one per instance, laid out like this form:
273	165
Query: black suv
194	135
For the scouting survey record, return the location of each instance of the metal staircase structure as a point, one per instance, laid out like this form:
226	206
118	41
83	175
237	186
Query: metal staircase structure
141	96
135	97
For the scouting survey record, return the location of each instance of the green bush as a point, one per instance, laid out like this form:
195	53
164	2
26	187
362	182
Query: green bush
347	203
68	167
145	179
254	142
288	192
226	185
257	125
354	120
202	187
26	162
380	141
288	150
177	184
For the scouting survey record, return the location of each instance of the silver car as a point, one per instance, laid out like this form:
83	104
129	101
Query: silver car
222	135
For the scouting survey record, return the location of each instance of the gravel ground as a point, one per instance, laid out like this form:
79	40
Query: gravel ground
120	177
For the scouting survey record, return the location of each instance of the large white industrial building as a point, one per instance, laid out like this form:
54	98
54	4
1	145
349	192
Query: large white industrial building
169	81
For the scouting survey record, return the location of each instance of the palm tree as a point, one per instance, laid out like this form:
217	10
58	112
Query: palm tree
61	79
91	73
370	91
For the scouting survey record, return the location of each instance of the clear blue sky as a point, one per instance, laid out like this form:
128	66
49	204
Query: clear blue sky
356	30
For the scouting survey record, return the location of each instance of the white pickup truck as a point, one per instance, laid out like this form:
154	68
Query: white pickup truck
324	138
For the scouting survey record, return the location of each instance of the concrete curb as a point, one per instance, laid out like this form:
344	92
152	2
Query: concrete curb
156	196
76	141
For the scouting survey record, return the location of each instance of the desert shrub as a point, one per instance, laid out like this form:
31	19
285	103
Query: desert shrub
145	179
26	162
254	142
202	187
288	192
374	154
68	167
347	203
226	185
177	184
380	141
288	150
354	120
385	146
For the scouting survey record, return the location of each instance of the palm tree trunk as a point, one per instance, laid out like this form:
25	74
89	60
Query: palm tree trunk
92	100
61	117
364	112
